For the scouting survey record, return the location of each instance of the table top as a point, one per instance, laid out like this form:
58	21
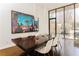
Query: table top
30	43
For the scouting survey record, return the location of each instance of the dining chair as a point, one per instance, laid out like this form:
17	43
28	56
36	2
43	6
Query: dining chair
55	44
52	44
45	49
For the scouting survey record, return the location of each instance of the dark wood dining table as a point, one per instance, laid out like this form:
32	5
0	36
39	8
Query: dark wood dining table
30	42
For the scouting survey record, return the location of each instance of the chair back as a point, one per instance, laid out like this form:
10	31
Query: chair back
48	46
55	41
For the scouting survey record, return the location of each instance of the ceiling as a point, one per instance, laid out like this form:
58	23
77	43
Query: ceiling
49	6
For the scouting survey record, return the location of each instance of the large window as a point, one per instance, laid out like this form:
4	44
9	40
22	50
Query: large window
65	22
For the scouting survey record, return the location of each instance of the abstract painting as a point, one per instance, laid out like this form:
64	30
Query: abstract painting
22	22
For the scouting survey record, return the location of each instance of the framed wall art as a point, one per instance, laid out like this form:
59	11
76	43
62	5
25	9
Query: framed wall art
21	22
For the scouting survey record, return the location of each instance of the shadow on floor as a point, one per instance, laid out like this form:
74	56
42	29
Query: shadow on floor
34	53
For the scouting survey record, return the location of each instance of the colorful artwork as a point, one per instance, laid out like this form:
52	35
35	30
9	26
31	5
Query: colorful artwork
36	24
22	23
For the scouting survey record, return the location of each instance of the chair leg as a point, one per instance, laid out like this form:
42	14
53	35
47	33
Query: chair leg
48	54
53	50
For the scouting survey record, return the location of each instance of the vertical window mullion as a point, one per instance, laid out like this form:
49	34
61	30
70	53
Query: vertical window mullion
74	21
64	21
55	22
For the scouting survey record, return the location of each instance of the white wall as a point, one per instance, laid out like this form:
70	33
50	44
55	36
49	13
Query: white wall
5	22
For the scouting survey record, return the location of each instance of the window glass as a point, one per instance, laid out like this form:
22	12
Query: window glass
52	14
52	27
69	22
77	21
60	21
